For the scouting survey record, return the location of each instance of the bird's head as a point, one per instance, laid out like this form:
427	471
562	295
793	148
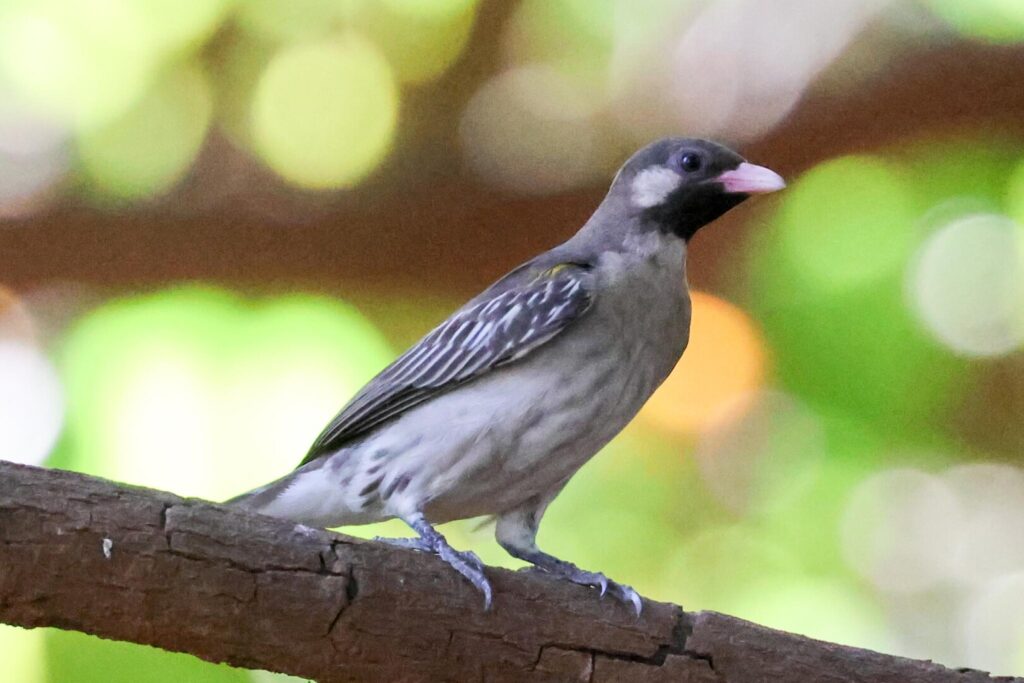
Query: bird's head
680	185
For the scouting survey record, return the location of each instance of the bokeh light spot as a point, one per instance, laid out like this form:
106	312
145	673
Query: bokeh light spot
31	404
193	391
82	63
303	359
717	93
850	342
324	114
531	130
723	363
994	626
848	222
968	285
991	498
763	455
896	530
150	147
33	158
420	38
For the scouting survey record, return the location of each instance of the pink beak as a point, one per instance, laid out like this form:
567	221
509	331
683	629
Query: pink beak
750	179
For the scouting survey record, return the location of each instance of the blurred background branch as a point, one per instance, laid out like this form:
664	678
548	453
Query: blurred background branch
252	591
218	218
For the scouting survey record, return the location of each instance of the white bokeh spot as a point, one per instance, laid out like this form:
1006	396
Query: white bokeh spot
967	286
897	528
31	404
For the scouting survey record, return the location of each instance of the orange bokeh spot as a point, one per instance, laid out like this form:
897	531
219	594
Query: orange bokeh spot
724	362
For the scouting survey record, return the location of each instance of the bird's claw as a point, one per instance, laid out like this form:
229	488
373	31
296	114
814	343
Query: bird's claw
602	583
619	591
627	594
469	565
466	563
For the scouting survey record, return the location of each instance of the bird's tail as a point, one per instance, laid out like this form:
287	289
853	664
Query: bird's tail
258	498
304	495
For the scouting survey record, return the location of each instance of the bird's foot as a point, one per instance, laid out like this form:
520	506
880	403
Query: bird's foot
602	583
465	562
469	565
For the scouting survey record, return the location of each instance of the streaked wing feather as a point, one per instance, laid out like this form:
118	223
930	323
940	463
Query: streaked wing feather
486	334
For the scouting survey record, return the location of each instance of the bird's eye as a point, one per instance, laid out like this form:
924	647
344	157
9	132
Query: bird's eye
690	162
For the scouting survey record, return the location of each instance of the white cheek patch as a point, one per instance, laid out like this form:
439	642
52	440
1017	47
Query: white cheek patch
652	185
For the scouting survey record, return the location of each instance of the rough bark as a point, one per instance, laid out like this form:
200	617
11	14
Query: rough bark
149	567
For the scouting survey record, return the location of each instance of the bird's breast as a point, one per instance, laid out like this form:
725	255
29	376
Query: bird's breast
643	297
594	379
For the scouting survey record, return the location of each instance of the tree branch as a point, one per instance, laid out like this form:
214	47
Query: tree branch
148	567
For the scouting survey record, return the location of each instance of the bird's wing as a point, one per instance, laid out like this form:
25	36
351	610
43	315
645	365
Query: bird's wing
514	317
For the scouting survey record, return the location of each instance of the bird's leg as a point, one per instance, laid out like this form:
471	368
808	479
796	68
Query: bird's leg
416	543
432	541
517	532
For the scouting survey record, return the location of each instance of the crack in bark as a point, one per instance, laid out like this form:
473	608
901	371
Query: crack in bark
681	636
676	645
351	593
352	587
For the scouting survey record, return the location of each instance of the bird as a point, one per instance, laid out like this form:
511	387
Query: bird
496	408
